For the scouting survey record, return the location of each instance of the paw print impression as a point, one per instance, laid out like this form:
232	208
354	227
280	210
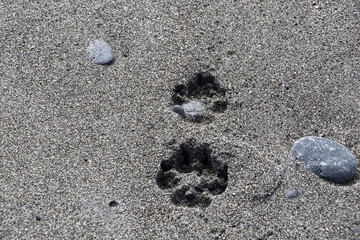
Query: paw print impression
200	98
192	175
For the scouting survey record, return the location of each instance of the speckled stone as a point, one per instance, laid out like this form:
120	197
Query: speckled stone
326	158
100	52
194	109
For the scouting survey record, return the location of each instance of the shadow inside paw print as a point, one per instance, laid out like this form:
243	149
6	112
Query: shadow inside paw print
193	175
201	95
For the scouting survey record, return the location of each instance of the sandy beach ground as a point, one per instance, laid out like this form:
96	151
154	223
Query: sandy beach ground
82	145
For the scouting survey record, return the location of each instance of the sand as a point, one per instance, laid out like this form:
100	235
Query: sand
77	136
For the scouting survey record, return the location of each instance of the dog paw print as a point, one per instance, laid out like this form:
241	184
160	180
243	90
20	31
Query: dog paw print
192	175
200	98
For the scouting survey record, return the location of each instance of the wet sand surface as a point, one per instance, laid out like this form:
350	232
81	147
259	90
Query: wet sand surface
96	151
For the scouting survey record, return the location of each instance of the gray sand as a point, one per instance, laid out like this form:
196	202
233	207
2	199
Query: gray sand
76	136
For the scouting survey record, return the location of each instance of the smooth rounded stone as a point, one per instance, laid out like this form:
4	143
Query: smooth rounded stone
179	110
326	158
100	52
293	193
194	109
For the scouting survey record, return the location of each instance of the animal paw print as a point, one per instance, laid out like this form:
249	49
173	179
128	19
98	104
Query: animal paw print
192	175
199	98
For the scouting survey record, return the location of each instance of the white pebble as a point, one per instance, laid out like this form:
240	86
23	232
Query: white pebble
194	109
101	52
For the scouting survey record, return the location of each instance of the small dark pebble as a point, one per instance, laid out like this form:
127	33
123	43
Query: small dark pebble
179	110
113	204
293	193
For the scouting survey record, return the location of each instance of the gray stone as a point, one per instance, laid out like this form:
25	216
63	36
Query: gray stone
194	109
326	158
179	110
293	193
100	52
